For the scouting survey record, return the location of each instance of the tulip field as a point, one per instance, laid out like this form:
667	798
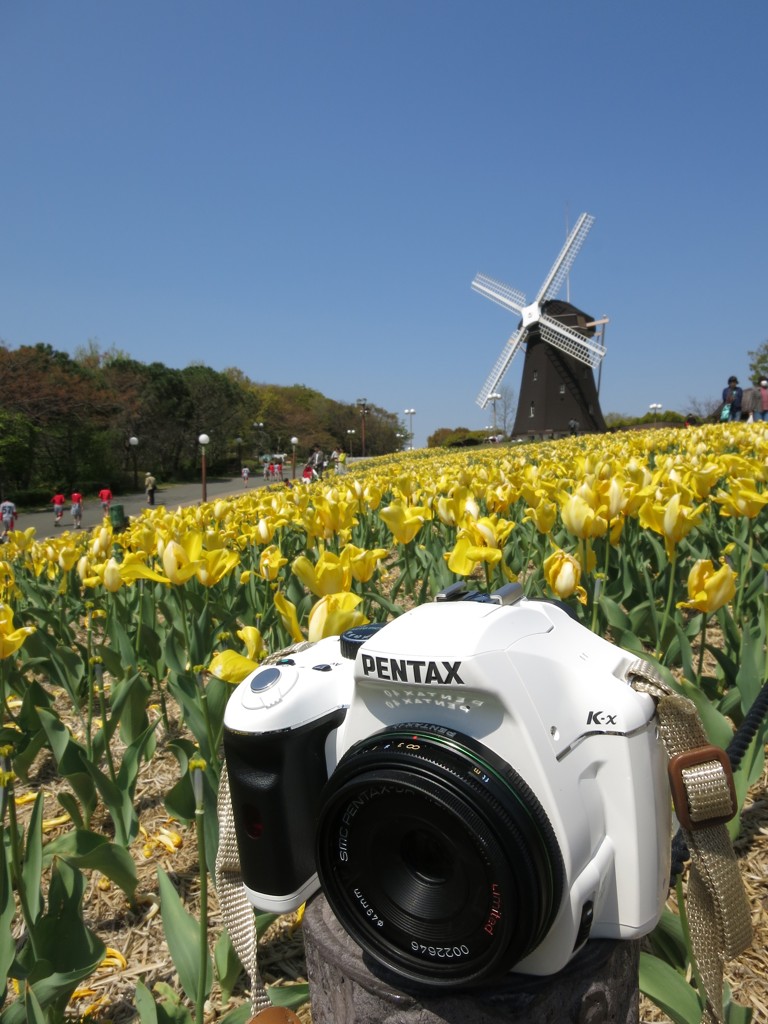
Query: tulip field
117	648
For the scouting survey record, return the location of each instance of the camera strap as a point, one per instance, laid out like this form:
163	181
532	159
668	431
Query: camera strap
704	799
236	910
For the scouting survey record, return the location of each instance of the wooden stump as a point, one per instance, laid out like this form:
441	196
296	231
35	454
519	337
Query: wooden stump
599	986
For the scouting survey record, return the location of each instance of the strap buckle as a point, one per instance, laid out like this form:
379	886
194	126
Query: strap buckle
703	792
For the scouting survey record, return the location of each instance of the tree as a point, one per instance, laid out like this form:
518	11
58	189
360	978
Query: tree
758	363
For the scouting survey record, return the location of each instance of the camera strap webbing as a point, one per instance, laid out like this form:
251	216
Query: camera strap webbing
236	910
702	790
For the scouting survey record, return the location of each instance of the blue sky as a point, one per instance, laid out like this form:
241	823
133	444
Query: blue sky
306	190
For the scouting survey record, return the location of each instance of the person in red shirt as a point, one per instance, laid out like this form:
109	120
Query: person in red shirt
77	508
58	501
105	497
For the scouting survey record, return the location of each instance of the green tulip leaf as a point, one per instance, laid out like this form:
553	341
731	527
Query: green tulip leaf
182	933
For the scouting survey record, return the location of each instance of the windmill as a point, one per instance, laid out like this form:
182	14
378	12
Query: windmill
557	390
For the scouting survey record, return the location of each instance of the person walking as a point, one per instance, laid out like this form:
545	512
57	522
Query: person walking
105	497
317	461
76	505
7	517
245	474
150	486
732	398
58	501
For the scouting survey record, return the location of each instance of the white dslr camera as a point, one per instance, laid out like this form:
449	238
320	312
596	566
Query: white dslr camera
475	786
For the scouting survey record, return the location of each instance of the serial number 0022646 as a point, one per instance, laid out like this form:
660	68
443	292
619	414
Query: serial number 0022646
440	952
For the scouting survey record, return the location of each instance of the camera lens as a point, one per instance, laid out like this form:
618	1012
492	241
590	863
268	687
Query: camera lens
436	857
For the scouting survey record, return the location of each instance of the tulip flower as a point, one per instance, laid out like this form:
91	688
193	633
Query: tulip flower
11	639
179	567
333	614
405	521
582	519
466	554
254	643
287	611
215	565
363	562
330	575
563	573
741	500
709	589
543	515
231	667
271	562
673	520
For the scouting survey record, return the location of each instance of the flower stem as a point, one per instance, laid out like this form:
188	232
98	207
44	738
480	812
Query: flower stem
701	648
668	607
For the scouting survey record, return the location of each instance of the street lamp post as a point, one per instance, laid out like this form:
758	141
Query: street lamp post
494	397
655	408
410	413
294	442
260	427
203	440
134	443
400	438
350	435
362	404
239	443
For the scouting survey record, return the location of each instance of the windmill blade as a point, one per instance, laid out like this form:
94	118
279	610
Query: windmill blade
509	298
508	353
571	342
560	268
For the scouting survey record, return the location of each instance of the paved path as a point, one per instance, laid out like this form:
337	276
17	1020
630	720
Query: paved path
171	496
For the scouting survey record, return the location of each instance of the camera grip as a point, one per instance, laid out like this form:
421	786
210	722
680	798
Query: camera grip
275	783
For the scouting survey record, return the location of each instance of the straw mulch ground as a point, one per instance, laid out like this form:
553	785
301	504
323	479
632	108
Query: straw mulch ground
136	930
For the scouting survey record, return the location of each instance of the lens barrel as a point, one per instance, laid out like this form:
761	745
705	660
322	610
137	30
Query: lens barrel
436	857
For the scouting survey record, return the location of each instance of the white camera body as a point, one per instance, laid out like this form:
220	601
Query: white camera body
374	753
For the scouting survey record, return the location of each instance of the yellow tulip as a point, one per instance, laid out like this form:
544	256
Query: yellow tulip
134	567
254	643
288	614
110	575
563	573
215	565
231	667
452	508
363	562
673	519
582	519
709	589
742	499
177	564
466	554
331	575
405	521
334	613
271	562
11	639
543	515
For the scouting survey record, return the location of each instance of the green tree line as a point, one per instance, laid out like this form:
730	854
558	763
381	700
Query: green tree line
102	418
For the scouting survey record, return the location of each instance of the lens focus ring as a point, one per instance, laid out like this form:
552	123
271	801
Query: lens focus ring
436	856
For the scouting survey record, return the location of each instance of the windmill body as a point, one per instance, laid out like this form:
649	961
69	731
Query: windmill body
558	393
